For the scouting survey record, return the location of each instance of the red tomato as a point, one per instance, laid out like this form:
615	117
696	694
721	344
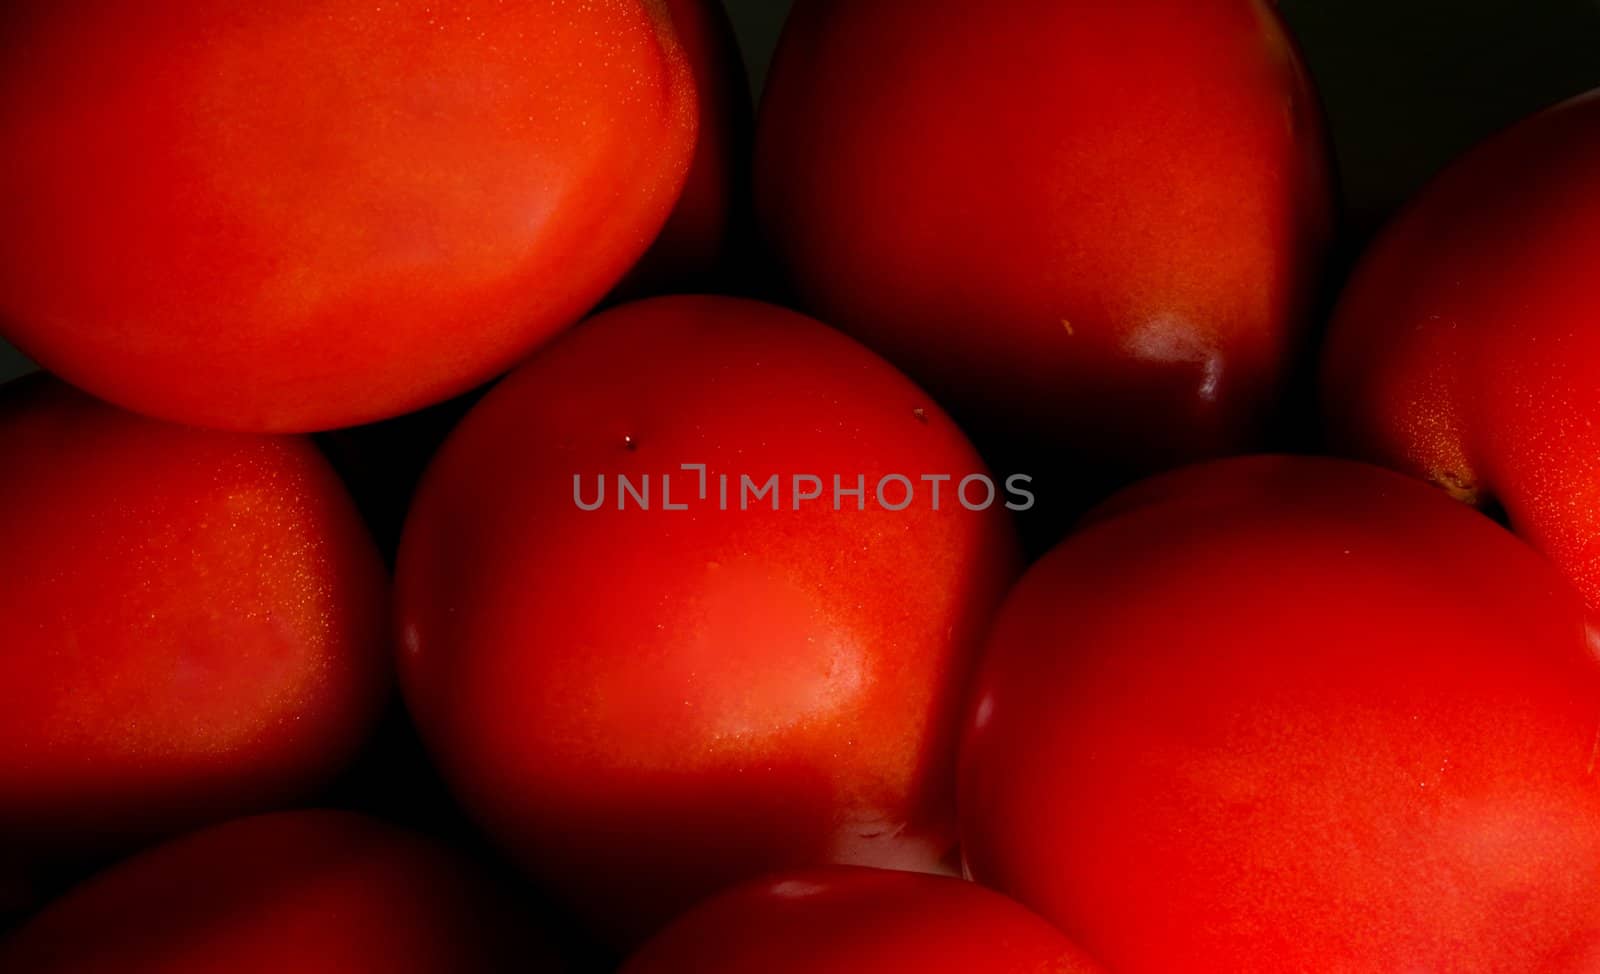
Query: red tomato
308	892
313	213
191	623
713	209
1094	224
1292	714
645	705
848	920
1465	349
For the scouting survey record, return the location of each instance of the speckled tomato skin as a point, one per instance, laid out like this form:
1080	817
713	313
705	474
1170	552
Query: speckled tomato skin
1465	348
192	624
1096	225
1292	714
300	215
314	892
850	920
643	706
711	217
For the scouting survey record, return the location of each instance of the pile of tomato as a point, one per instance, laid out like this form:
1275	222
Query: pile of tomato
495	502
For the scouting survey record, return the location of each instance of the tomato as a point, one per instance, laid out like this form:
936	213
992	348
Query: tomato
850	920
1292	714
315	213
1464	350
312	892
710	219
698	248
643	705
1085	224
191	623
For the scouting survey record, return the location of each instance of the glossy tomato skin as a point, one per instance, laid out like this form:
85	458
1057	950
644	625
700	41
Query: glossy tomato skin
852	920
1285	714
296	216
1464	349
711	219
191	623
643	706
1096	225
314	892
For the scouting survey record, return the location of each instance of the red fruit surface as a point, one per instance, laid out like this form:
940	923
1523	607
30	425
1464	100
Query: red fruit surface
1466	349
1094	225
849	920
645	705
191	623
1293	714
316	213
306	892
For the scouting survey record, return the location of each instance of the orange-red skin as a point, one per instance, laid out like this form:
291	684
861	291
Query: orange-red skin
1093	225
315	213
313	892
644	706
192	624
1292	714
712	211
1466	348
850	920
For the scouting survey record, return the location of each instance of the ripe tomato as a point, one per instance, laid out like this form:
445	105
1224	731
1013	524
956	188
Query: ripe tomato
1292	714
849	920
314	213
713	211
1465	350
191	623
310	892
1094	224
645	705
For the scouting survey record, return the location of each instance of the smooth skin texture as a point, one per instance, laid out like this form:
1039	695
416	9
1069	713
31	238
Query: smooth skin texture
315	213
313	892
1292	714
1466	349
1091	225
643	706
192	624
850	920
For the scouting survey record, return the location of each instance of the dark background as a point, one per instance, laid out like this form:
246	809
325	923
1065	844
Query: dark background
1408	84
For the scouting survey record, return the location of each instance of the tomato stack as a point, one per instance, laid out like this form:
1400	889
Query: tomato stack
494	502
